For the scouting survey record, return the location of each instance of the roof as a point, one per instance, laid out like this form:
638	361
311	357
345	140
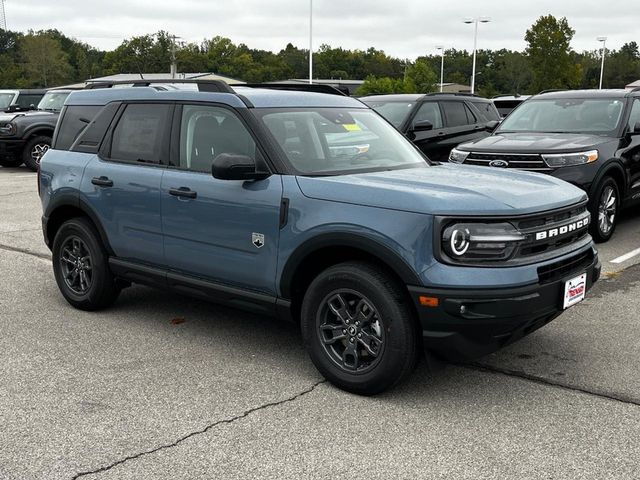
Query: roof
415	97
258	97
612	93
635	84
25	91
396	97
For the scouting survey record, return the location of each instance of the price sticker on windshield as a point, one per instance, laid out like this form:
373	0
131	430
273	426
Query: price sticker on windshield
352	127
574	290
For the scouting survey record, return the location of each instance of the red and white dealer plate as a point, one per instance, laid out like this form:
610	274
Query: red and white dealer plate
574	290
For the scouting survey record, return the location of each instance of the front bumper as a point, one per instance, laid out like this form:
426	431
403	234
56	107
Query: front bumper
11	146
467	324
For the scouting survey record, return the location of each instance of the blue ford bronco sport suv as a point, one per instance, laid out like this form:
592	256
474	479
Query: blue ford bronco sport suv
268	200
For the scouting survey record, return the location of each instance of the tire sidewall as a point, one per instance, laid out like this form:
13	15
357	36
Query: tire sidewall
26	154
100	274
396	322
596	233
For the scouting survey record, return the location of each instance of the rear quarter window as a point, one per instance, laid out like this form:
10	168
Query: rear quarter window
74	122
487	110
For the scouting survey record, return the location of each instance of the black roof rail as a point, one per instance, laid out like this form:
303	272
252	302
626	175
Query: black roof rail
551	90
461	94
302	87
203	85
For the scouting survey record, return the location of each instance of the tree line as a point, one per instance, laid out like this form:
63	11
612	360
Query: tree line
49	58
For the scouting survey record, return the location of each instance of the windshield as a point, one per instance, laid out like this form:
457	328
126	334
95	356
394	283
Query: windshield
394	112
330	141
567	115
53	101
6	99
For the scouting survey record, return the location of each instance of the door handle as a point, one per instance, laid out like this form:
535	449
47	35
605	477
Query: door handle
441	134
102	181
183	192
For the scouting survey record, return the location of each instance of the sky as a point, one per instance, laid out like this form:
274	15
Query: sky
404	29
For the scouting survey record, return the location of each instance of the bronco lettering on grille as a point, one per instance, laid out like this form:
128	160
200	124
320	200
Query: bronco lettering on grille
563	230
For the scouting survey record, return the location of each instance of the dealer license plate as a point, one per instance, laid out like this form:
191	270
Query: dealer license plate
574	290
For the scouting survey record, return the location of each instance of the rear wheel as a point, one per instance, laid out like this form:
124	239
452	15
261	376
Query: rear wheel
80	266
604	208
34	150
359	328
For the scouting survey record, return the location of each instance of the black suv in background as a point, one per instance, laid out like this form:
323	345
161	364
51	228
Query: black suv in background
26	136
437	122
507	103
20	100
590	138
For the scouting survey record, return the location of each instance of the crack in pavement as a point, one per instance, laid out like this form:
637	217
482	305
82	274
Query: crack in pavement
24	251
201	431
545	381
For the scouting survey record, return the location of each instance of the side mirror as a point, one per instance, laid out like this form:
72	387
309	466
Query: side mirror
229	166
423	126
492	125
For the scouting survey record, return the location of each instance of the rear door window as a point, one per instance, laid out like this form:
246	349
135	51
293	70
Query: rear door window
141	133
634	118
457	114
74	122
29	100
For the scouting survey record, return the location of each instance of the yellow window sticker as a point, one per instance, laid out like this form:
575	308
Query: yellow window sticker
352	127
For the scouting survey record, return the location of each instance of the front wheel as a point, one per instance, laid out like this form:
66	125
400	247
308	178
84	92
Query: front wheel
604	210
359	328
34	150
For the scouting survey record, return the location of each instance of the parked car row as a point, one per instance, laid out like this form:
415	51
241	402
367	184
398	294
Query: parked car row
589	138
313	208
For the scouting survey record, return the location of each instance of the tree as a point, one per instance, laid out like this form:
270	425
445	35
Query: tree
420	78
549	53
45	63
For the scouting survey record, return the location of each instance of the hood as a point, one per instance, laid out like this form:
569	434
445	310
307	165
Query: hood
9	117
535	143
447	189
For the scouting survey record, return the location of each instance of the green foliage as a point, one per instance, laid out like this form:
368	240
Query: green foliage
550	54
548	62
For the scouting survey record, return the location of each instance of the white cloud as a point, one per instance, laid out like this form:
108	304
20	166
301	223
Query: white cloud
404	29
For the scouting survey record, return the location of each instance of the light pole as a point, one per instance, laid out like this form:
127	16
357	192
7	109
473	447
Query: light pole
475	44
604	49
310	41
441	48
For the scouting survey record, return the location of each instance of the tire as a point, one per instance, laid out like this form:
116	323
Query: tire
99	289
34	150
10	162
338	345
604	208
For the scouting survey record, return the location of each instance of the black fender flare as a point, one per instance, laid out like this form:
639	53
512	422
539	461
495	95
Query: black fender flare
343	239
41	129
612	165
72	200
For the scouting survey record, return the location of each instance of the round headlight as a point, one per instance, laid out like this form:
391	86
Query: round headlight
460	241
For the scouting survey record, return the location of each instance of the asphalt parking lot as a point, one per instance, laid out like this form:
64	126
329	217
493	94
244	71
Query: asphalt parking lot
163	386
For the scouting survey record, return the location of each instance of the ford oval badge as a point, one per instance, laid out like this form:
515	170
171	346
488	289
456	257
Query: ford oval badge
499	163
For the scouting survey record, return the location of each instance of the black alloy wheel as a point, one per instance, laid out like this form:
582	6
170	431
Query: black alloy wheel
351	330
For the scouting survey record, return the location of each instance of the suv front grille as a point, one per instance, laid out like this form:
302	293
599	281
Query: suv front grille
549	223
559	270
530	162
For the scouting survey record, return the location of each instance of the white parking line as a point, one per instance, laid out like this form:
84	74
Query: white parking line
626	256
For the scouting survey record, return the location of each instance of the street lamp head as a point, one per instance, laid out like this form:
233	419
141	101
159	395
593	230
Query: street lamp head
601	39
439	47
484	19
469	20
